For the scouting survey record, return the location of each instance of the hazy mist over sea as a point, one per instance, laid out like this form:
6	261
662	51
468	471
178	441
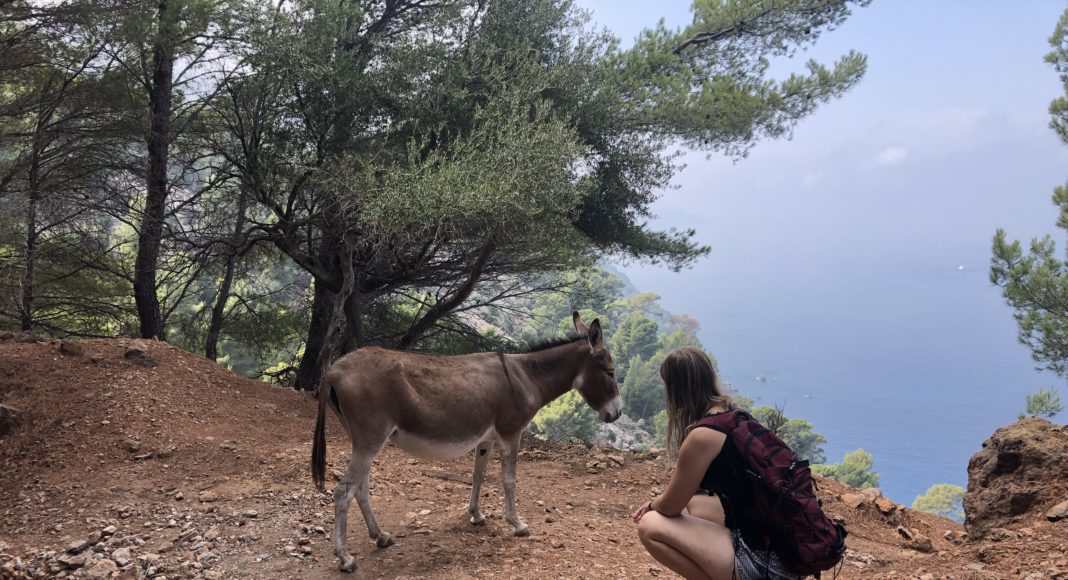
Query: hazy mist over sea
849	264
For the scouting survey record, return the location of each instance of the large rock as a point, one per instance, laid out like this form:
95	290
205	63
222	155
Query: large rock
137	353
1019	474
1059	512
102	569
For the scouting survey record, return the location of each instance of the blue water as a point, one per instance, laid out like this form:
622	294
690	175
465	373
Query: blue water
917	365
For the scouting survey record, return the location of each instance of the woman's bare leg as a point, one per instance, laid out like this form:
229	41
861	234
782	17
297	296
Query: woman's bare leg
690	546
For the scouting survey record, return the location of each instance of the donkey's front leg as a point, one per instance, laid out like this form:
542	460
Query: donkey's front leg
509	452
482	455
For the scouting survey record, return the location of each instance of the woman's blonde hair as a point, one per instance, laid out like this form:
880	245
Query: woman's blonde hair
692	386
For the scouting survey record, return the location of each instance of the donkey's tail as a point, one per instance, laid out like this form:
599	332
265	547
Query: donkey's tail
318	458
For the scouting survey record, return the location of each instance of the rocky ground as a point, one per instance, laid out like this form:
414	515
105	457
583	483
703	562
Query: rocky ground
138	460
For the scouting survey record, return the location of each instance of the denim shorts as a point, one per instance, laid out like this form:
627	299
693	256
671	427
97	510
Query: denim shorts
758	564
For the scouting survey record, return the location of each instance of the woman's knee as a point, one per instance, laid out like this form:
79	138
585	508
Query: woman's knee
650	526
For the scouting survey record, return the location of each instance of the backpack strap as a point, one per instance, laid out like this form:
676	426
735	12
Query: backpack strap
724	422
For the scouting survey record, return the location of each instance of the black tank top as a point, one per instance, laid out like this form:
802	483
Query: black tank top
726	479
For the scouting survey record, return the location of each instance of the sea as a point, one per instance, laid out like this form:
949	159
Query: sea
915	364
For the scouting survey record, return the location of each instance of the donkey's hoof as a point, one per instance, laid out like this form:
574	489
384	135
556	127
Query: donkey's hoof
478	520
522	531
384	540
348	564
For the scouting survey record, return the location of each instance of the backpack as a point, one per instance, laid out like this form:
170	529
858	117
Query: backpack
785	507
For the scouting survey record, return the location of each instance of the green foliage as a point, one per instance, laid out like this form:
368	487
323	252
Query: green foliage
942	499
854	470
566	325
700	91
797	433
449	192
746	403
1035	284
567	419
1058	109
588	290
455	154
636	338
646	304
660	424
683	337
1045	403
643	391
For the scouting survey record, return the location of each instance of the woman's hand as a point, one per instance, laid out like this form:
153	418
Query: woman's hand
640	512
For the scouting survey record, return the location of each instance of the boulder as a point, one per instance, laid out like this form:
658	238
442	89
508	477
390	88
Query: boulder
102	569
871	493
73	560
885	506
137	353
955	538
1021	472
1058	512
122	556
78	546
853	500
915	540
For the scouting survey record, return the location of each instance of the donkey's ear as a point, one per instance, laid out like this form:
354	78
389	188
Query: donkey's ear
580	326
596	336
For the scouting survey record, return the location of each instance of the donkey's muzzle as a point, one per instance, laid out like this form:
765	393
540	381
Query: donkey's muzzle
612	411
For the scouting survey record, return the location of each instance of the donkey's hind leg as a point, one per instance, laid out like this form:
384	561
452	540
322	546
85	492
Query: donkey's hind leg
363	499
482	455
509	458
355	484
358	470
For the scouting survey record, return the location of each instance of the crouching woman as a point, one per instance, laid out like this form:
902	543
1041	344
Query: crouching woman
687	528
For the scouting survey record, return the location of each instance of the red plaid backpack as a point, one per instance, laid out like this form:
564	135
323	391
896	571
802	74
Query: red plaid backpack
785	505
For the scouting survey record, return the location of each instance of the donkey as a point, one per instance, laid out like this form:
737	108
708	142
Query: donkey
442	407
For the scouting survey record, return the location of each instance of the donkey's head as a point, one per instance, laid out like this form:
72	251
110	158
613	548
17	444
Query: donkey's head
596	379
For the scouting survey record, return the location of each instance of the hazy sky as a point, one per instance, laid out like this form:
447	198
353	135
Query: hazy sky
944	140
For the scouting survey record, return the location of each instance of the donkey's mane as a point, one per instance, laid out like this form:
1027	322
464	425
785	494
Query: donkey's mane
548	343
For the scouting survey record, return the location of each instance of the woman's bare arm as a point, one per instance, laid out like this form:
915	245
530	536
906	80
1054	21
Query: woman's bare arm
698	450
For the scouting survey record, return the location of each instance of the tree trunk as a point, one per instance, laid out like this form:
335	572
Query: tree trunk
308	372
353	319
345	316
151	231
211	346
29	274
